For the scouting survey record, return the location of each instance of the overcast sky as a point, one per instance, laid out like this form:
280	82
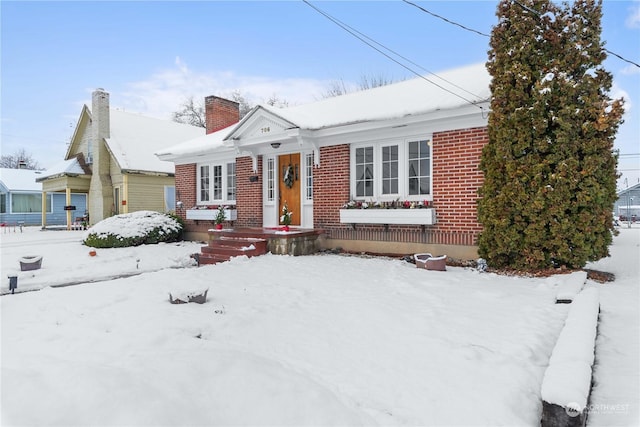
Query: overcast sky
152	56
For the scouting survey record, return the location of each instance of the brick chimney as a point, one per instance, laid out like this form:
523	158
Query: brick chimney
101	189
220	113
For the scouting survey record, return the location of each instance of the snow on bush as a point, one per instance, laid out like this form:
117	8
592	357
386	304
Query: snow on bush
134	229
567	380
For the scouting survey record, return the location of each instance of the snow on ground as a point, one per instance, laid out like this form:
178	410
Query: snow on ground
66	260
615	397
315	340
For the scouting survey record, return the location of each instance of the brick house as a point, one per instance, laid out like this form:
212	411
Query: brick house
413	145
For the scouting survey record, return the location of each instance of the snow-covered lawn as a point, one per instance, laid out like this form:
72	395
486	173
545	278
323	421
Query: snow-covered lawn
315	340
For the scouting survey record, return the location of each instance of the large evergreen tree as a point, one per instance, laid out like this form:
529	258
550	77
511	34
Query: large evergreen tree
549	167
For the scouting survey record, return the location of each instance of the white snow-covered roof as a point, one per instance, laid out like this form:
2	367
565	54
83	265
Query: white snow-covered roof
449	89
201	145
445	91
64	167
20	179
134	140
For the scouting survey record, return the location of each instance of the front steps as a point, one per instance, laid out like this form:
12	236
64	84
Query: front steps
224	248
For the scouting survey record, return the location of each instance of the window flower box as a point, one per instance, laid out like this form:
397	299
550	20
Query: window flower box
424	216
210	214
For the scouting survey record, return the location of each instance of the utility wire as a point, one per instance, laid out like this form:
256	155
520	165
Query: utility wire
446	20
535	12
406	59
355	34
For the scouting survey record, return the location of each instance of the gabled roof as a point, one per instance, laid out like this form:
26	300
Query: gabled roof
66	167
134	140
449	89
20	179
629	189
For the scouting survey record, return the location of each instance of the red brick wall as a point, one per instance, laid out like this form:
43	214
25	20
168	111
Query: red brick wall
457	178
330	185
220	113
249	194
186	188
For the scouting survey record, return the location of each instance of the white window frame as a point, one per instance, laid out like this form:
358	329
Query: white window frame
10	202
223	164
403	170
308	177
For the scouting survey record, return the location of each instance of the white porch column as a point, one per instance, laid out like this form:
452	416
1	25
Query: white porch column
68	202
44	209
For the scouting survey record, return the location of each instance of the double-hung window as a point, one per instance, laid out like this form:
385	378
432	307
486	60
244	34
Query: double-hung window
392	170
419	168
364	172
216	183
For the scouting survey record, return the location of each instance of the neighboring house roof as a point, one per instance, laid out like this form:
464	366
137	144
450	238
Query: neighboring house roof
134	140
629	189
20	179
65	167
461	87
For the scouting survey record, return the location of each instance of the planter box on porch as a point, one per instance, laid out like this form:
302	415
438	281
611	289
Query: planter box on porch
210	214
388	216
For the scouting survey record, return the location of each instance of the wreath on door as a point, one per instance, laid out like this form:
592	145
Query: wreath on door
287	176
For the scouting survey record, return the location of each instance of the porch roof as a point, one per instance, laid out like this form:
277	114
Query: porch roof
70	167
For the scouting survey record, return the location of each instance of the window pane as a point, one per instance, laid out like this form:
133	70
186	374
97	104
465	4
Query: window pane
389	169
414	186
28	203
368	172
204	183
413	168
424	185
364	172
424	167
309	171
217	182
270	180
419	173
394	186
413	150
169	198
231	181
3	203
368	188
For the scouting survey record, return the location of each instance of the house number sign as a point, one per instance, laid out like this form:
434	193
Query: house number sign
265	130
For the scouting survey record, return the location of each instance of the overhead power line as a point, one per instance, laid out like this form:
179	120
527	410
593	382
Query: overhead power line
370	42
446	20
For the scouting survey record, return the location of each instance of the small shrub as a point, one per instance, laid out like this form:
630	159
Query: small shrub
134	229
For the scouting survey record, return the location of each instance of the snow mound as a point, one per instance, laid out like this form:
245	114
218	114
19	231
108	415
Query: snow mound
569	285
567	380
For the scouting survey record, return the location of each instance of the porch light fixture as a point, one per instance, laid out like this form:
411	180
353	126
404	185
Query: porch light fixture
275	145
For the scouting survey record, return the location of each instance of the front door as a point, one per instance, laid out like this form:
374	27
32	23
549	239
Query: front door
289	169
